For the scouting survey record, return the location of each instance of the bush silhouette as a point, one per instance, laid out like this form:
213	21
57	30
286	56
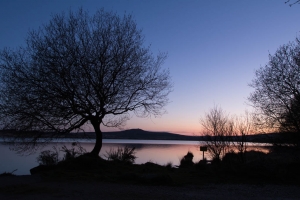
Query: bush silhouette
187	160
126	155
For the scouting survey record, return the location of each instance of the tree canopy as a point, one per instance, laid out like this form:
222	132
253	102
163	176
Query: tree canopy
80	69
291	3
277	89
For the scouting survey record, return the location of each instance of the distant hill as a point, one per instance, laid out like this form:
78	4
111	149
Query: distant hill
139	134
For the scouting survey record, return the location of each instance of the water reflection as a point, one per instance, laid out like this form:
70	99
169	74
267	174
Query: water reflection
157	151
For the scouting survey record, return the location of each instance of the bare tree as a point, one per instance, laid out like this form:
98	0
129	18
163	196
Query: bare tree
291	3
277	89
217	129
290	124
243	127
80	69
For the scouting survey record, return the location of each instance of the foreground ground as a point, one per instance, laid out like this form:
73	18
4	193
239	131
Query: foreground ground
37	187
261	177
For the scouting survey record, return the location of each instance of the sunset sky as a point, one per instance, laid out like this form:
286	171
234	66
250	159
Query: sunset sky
213	46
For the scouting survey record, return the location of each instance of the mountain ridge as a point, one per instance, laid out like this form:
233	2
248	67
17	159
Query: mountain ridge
139	134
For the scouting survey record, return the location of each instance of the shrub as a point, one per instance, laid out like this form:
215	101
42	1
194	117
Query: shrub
203	162
202	165
216	161
51	157
48	157
187	160
126	154
74	152
169	165
232	158
8	173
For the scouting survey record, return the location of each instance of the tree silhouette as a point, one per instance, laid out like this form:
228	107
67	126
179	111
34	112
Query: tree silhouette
293	2
80	69
277	89
291	122
217	130
242	127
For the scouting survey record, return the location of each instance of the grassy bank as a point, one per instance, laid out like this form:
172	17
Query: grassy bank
260	168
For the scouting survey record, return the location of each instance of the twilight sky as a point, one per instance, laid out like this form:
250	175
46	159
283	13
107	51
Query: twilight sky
213	46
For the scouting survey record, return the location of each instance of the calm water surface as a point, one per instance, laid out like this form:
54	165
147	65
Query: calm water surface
156	151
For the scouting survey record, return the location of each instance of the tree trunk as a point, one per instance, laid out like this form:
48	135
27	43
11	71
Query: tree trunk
98	144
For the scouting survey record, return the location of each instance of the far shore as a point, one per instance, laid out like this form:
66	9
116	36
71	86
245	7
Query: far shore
139	134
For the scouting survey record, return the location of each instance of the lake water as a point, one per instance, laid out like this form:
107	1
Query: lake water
156	151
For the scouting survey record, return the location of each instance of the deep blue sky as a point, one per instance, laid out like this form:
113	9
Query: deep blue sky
214	46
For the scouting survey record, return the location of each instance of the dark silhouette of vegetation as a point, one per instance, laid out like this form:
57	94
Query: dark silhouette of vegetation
187	160
259	168
291	3
242	127
79	70
169	166
277	90
125	155
223	133
8	173
51	157
217	128
73	152
48	157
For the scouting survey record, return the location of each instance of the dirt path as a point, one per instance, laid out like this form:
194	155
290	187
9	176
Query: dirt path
34	187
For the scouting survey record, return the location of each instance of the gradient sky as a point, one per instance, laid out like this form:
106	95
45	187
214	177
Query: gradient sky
213	46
